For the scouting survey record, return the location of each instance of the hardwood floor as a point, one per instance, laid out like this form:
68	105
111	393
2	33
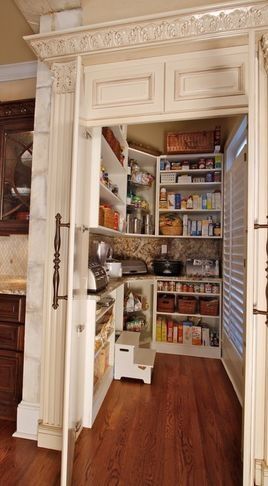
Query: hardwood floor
183	430
22	463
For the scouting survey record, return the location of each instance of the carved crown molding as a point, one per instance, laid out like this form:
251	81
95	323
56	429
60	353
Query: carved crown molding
64	74
17	109
148	32
264	45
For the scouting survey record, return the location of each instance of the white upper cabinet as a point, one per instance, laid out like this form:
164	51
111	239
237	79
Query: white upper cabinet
206	80
124	89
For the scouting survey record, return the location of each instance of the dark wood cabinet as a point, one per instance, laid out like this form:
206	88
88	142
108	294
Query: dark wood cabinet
12	317
16	141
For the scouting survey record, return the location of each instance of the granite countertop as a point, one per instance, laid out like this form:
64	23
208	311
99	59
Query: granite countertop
12	285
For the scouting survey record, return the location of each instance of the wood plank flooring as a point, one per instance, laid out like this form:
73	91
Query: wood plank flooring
22	463
183	430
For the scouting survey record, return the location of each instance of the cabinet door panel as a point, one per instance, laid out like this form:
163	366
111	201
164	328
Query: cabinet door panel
11	336
125	89
213	79
12	308
10	376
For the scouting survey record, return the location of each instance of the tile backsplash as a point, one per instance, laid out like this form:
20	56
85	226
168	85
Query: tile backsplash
147	249
13	255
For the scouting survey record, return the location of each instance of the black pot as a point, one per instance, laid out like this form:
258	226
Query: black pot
167	268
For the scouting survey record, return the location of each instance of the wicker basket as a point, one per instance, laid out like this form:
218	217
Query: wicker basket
166	303
191	142
168	230
187	306
209	307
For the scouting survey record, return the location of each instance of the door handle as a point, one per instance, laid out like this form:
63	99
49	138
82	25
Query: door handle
257	311
56	261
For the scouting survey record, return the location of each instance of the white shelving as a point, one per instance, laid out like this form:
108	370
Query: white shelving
99	360
173	319
103	194
173	196
147	163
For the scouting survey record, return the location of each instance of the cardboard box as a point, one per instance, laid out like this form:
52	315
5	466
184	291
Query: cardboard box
164	330
159	329
196	335
187	332
180	332
170	331
175	332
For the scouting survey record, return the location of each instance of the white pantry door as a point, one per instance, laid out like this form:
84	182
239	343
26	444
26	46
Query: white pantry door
234	258
77	292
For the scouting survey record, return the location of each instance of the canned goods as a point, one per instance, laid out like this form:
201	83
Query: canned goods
160	285
215	289
201	288
208	288
171	285
178	286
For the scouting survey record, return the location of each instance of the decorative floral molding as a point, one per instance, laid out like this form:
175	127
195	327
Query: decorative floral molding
147	32
264	45
64	76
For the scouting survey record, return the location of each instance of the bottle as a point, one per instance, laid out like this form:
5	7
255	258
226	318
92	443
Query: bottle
163	194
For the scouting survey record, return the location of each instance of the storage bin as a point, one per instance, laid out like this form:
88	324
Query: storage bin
166	303
187	306
190	142
168	177
209	307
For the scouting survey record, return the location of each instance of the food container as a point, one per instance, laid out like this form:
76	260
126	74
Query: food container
166	303
167	267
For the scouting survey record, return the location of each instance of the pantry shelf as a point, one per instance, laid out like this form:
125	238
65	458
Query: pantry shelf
108	197
188	185
196	294
192	211
187	350
186	315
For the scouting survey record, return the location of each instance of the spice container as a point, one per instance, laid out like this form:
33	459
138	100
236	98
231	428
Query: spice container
208	288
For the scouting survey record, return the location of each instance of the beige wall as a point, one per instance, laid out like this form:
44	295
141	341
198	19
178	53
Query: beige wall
95	11
13	27
153	134
17	90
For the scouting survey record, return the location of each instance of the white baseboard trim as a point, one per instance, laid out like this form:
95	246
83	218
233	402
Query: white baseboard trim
261	473
19	70
233	383
27	420
49	436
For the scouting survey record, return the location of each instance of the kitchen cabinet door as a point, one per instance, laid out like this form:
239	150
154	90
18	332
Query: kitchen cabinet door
16	141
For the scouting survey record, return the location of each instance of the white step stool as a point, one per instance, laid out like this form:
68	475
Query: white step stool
132	361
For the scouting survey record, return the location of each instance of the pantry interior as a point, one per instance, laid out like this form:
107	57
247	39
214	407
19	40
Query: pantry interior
200	315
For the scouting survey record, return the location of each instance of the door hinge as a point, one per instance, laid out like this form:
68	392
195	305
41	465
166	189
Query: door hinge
80	328
245	156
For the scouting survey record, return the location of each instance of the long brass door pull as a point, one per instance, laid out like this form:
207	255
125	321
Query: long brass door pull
257	311
56	261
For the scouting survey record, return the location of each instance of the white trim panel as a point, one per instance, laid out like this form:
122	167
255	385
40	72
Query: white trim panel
27	420
215	78
124	89
20	70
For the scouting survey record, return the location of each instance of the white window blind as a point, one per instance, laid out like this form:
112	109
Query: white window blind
234	252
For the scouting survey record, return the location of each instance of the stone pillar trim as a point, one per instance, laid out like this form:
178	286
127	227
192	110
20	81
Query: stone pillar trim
64	77
264	46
